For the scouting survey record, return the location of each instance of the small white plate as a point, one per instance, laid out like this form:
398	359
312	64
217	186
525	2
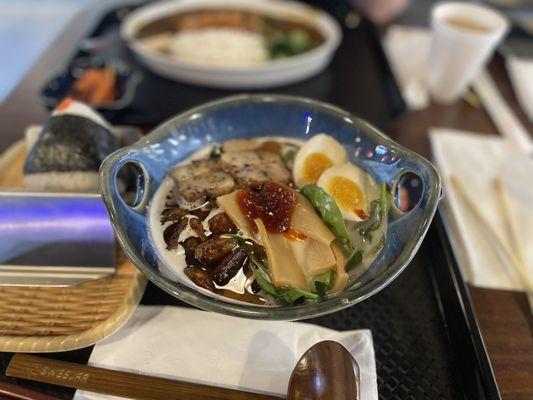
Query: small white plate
270	74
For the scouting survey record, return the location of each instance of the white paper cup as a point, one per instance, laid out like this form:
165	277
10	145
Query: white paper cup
458	52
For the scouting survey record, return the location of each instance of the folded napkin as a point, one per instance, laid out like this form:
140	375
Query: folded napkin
479	162
516	190
214	349
407	50
520	71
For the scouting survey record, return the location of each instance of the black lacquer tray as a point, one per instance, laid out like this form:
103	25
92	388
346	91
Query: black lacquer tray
426	339
358	80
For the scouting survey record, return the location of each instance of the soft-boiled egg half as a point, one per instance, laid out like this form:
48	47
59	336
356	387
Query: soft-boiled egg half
317	155
348	185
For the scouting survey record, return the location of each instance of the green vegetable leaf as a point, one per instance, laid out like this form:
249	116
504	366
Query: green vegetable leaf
298	40
379	246
292	295
379	209
288	157
215	151
330	213
246	244
384	196
287	44
322	283
263	279
354	260
248	247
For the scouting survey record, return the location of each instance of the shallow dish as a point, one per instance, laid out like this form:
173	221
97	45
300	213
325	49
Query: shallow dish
265	115
127	80
271	73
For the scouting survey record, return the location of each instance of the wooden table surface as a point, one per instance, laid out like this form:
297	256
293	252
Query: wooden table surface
503	316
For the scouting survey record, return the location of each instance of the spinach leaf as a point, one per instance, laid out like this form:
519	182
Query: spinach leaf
384	198
281	44
379	209
249	248
379	246
263	279
354	260
292	295
215	151
298	40
330	213
258	267
288	157
285	293
322	283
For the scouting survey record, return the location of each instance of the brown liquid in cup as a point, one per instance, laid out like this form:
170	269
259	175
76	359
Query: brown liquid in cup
464	24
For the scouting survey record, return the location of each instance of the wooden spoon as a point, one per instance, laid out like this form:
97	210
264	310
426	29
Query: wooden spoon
327	371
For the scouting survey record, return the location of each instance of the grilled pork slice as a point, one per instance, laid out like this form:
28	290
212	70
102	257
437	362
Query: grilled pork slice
239	145
251	168
194	169
201	178
274	167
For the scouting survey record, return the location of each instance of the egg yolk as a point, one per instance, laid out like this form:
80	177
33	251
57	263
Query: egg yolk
347	194
314	165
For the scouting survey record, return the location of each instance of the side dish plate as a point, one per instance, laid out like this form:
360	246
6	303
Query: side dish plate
270	74
264	115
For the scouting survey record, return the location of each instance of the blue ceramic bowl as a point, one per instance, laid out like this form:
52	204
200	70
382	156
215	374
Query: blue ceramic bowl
262	115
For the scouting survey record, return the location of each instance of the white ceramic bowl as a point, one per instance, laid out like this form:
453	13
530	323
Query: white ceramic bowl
270	74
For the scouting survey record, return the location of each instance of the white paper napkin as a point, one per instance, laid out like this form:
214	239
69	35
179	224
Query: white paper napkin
516	177
521	74
477	160
214	349
407	50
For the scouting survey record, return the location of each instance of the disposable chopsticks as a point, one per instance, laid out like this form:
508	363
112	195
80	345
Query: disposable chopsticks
118	383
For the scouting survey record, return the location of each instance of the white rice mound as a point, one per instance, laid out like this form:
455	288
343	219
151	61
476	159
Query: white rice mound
220	47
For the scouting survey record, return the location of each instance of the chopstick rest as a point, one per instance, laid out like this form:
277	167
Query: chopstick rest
119	383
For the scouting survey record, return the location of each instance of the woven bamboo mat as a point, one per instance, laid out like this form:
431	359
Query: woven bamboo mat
50	319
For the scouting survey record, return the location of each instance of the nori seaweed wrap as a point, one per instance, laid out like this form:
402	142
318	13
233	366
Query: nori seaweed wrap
69	150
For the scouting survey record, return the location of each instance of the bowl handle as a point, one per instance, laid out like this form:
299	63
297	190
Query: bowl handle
408	189
113	187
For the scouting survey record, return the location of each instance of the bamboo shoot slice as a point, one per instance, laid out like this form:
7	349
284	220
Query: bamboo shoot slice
319	258
341	277
284	268
306	220
231	206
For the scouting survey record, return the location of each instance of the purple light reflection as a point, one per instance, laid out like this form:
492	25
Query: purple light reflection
29	221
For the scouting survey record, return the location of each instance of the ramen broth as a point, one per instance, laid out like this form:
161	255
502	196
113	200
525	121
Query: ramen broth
184	247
